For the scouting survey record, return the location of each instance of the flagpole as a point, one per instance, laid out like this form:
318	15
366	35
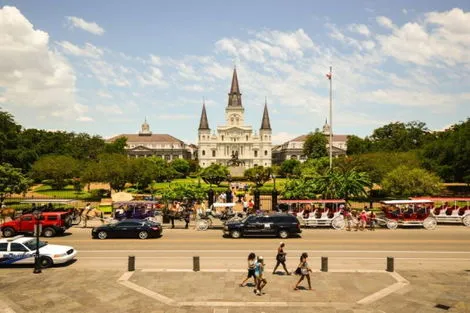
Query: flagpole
331	121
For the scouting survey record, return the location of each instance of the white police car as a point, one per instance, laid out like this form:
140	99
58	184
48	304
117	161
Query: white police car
21	250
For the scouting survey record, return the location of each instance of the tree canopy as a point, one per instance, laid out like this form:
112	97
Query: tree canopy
315	145
12	181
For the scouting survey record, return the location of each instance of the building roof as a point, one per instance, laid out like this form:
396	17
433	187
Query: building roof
150	138
203	123
234	97
265	124
335	138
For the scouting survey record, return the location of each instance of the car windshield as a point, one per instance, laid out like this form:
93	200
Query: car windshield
31	244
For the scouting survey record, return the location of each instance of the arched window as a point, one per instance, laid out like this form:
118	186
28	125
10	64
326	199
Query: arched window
246	137
222	138
256	153
213	153
203	152
265	152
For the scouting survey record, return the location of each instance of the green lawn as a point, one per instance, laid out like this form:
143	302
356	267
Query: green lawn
67	193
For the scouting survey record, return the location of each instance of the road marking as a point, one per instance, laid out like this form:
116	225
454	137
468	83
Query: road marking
401	282
243	258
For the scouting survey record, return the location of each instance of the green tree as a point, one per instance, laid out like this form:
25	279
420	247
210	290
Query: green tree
448	154
399	136
344	184
117	146
287	168
57	168
142	172
315	145
12	181
115	169
406	182
9	133
214	174
357	145
164	172
181	166
258	175
301	188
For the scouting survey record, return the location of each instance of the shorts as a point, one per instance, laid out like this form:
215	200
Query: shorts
251	273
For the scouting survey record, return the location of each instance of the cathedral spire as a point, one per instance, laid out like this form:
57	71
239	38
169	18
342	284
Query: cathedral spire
265	124
234	97
203	123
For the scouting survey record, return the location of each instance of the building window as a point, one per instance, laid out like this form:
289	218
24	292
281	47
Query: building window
203	152
213	153
222	138
256	153
167	157
265	152
246	137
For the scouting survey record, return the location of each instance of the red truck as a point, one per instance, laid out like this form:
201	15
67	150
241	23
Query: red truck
52	224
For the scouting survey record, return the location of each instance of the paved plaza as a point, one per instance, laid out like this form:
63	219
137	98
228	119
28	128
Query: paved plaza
64	289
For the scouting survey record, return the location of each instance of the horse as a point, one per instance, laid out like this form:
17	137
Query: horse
89	214
7	212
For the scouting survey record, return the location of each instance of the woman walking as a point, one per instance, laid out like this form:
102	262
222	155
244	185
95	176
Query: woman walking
251	269
260	280
304	271
281	258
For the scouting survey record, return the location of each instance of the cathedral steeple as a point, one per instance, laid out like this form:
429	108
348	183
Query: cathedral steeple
234	97
265	124
203	123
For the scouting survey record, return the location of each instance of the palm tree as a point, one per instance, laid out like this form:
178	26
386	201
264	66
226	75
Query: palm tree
343	184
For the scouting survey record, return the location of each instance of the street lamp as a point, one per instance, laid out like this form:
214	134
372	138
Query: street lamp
37	263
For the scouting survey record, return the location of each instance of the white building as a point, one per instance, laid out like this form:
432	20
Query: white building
234	138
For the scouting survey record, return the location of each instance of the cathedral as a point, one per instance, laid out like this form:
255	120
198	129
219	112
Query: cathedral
234	144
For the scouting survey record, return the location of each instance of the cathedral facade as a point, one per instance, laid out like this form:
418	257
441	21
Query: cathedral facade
234	143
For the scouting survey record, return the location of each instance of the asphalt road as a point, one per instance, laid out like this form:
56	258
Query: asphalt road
413	249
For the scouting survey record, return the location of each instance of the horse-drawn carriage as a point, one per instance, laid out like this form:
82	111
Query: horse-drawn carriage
448	210
219	210
139	209
407	213
316	213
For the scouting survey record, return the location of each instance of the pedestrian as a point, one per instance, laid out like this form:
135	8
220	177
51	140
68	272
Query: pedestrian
281	258
260	280
174	208
304	271
362	220
372	220
245	205
251	206
251	269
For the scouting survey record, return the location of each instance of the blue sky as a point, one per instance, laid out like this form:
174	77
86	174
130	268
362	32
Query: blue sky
103	66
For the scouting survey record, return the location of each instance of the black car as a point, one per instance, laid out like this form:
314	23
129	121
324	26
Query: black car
282	225
130	228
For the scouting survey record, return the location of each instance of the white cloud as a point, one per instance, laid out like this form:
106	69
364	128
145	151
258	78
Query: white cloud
34	77
360	29
443	38
155	60
104	94
281	137
154	77
196	88
176	117
385	22
91	27
89	50
109	109
108	74
187	72
404	11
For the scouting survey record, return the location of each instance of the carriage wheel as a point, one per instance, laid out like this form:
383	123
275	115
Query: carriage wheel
76	219
202	225
430	223
338	223
466	220
392	224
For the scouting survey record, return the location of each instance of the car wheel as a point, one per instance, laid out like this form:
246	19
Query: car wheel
46	262
49	232
466	220
236	234
102	234
283	234
8	232
143	234
430	223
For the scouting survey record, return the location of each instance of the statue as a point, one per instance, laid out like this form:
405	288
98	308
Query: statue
234	161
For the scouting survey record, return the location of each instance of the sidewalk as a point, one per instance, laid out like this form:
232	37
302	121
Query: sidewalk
64	289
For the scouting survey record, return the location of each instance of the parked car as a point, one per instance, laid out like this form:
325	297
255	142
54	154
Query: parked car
282	225
21	250
129	228
52	224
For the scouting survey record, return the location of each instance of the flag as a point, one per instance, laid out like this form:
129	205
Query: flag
329	76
